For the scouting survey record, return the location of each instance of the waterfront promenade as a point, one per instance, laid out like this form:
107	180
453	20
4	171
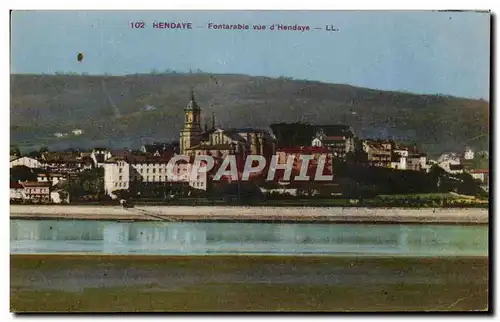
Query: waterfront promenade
253	214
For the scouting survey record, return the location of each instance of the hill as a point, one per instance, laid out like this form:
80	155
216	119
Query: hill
126	111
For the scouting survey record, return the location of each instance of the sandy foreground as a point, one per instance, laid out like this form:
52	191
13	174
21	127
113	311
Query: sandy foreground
52	283
227	213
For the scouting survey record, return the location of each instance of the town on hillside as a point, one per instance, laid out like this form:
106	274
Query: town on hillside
362	169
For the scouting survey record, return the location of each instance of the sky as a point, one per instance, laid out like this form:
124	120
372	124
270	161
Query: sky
415	51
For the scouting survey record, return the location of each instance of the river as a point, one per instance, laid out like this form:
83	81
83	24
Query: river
202	238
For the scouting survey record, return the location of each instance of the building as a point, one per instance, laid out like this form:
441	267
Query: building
408	158
338	139
142	172
52	178
77	132
36	191
219	142
483	175
160	149
469	154
379	153
450	162
25	161
244	141
16	191
66	162
99	156
191	131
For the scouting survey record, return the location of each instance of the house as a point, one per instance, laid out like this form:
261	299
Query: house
408	158
99	156
36	191
469	154
77	132
59	196
159	149
52	178
337	138
66	162
379	152
25	161
398	161
16	191
483	175
450	162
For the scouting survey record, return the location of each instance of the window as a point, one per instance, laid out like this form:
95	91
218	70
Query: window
147	178
147	170
154	178
120	170
116	184
154	170
159	170
120	178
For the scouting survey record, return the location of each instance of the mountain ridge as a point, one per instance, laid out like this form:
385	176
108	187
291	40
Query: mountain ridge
126	111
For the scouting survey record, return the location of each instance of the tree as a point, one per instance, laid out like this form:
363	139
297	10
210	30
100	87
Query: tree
14	150
21	173
43	149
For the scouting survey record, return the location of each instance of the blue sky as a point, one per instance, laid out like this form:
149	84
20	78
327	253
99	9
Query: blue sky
421	52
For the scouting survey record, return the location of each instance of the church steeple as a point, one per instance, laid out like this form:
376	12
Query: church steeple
192	105
190	133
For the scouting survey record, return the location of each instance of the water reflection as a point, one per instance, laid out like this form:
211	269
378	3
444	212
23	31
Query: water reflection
50	236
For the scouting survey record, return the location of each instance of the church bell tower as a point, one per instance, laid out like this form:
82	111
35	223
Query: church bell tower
191	132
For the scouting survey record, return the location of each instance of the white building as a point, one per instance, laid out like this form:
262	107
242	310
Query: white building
25	161
450	162
403	159
36	191
77	132
125	172
469	154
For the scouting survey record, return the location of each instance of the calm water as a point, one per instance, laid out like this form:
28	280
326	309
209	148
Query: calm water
168	238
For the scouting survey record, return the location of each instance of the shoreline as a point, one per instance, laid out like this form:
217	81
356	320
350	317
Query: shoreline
470	216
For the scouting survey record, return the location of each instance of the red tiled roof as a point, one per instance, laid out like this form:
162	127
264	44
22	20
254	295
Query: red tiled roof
312	149
333	138
480	171
50	175
35	184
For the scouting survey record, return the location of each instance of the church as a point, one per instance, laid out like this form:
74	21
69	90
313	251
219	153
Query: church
219	142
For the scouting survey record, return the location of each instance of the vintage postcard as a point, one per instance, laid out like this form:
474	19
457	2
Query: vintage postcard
243	161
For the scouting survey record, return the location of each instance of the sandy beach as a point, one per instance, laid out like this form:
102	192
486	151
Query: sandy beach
257	214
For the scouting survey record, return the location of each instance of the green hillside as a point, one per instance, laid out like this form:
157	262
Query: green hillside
113	110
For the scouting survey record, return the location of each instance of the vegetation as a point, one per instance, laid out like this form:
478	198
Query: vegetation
88	185
22	173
